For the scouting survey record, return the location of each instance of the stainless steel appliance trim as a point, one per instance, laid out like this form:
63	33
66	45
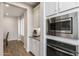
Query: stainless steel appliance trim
66	19
61	31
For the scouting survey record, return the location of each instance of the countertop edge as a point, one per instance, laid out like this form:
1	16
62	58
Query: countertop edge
64	40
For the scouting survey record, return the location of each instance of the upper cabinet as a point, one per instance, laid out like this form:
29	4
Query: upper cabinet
67	5
55	7
36	12
50	8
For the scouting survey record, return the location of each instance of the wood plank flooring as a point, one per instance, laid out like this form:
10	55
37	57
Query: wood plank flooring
15	48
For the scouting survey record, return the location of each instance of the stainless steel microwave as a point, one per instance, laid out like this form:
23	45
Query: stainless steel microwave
63	25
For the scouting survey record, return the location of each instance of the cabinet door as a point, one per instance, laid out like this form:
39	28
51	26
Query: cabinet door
50	8
37	16
35	47
67	5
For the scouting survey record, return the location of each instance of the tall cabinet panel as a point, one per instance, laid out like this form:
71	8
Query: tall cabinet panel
36	12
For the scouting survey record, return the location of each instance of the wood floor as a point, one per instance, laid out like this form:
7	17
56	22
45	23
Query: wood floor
15	48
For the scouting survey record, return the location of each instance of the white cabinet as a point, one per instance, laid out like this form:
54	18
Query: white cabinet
67	5
36	12
55	7
50	8
35	48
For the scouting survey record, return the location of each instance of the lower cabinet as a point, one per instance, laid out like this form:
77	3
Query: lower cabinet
35	47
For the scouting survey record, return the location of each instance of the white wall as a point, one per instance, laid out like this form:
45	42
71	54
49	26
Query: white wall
1	31
10	24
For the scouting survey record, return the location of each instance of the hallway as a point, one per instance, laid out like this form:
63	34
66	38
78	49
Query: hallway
15	48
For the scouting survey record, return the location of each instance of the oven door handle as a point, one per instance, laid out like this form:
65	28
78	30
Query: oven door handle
63	51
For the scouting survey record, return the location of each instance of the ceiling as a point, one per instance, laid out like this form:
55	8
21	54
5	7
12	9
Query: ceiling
13	11
33	4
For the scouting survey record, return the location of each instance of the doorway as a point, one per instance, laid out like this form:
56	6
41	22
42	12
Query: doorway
13	30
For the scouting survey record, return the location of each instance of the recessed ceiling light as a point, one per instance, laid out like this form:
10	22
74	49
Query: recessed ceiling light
7	5
6	14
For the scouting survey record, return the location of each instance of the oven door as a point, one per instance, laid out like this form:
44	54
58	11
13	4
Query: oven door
64	25
54	51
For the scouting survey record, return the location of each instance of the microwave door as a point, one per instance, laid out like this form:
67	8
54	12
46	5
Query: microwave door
64	26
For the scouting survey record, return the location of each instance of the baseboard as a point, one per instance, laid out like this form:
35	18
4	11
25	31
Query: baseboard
12	39
31	53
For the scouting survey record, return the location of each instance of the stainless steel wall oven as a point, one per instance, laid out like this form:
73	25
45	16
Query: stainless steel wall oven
55	48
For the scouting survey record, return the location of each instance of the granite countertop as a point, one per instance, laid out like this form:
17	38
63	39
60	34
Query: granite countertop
35	37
